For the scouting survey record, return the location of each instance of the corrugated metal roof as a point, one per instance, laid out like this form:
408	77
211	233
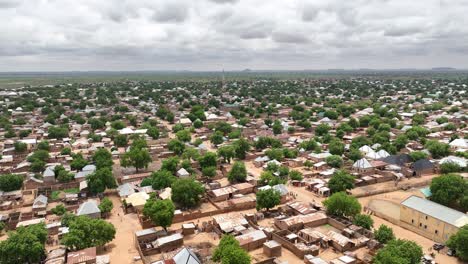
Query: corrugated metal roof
436	210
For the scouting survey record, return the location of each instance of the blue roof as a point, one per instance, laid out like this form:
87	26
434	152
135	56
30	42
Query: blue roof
426	191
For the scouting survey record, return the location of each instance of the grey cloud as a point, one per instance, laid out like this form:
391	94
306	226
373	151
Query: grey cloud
9	3
287	37
172	13
202	34
224	1
402	31
253	35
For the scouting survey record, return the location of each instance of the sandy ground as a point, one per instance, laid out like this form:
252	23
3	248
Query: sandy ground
122	248
390	185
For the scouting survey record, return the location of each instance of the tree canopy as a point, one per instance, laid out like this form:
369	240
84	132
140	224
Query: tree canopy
230	252
187	192
10	182
161	212
384	234
85	232
267	199
341	204
363	220
341	181
449	190
459	242
102	158
137	157
25	245
238	172
100	180
399	251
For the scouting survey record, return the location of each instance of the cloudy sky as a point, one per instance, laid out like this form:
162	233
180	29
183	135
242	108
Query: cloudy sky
63	35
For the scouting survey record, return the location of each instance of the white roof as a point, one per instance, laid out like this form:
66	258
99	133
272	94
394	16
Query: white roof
88	207
362	164
373	155
366	149
28	141
383	153
182	172
458	160
459	143
126	131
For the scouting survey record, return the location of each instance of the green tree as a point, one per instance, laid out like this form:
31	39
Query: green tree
448	189
177	146
183	135
153	132
295	175
210	159
334	161
161	212
10	182
170	164
238	172
85	232
78	162
384	234
100	180
106	206
42	155
197	123
418	119
44	145
277	127
209	171
136	157
229	252
59	209
322	129
227	153
268	199
275	154
217	138
399	251
118	124
25	245
66	151
336	147
437	149
418	155
241	147
363	220
102	158
65	176
341	204
57	132
400	141
459	242
354	154
120	140
162	179
187	192
20	146
341	181
449	167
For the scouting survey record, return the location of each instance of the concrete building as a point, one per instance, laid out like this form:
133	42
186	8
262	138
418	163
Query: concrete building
429	219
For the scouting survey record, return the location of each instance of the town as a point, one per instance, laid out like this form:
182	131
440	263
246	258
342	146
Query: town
340	170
